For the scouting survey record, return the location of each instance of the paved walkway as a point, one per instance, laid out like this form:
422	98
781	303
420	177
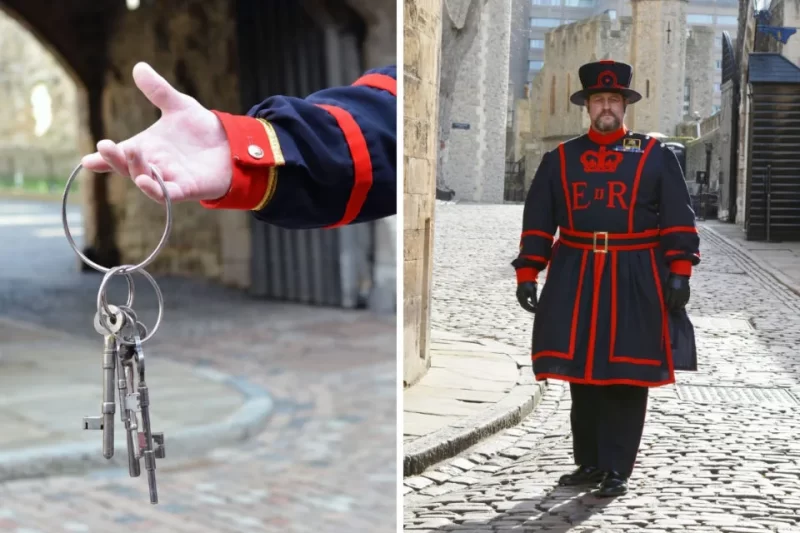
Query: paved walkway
325	460
781	259
719	453
473	389
51	380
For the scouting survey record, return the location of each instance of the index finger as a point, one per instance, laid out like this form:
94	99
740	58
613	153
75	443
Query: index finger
95	163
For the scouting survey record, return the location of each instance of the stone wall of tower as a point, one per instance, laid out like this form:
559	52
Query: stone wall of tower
474	165
422	30
658	56
700	70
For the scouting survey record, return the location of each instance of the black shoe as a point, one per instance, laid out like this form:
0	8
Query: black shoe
614	484
584	475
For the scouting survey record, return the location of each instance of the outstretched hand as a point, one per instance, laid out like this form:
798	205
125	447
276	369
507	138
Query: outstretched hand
187	144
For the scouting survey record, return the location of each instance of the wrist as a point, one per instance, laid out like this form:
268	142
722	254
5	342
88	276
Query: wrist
253	158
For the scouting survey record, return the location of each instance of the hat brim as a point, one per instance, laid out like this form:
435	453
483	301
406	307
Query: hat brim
580	97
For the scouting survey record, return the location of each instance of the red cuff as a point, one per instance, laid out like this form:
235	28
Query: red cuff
526	274
255	156
682	267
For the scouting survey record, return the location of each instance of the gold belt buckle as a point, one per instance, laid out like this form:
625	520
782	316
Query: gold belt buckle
604	235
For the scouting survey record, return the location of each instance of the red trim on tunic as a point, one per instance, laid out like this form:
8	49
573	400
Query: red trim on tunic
621	358
563	159
599	263
678	229
251	175
378	81
636	181
589	234
526	274
574	326
664	316
537	233
607	138
682	267
584	381
362	163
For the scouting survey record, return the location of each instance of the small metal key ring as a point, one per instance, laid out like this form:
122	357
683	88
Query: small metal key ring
149	258
103	300
159	297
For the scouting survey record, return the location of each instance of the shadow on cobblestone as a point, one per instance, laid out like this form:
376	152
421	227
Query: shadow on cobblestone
558	510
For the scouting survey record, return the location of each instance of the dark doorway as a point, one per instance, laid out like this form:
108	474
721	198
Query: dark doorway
295	48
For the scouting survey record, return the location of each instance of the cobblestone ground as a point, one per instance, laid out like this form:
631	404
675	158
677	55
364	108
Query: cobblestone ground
326	461
716	466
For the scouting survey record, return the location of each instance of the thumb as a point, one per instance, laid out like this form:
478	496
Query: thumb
158	90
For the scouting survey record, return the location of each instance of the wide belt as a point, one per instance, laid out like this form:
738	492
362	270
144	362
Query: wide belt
602	242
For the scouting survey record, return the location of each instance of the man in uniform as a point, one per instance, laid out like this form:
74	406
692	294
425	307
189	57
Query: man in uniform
323	161
627	243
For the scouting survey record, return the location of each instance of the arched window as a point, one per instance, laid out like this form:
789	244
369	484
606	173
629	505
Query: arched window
647	89
553	96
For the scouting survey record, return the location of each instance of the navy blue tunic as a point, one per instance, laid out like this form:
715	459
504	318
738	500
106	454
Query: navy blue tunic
624	219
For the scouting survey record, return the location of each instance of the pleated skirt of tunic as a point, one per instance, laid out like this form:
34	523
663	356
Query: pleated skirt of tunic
601	319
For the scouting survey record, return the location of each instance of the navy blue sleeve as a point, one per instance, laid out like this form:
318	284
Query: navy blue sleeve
338	152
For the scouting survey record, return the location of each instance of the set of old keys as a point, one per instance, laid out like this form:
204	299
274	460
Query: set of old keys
123	359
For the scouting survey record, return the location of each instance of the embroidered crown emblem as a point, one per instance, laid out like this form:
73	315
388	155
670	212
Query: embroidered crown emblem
600	161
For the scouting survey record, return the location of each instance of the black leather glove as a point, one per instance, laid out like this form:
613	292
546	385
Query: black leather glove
526	296
676	292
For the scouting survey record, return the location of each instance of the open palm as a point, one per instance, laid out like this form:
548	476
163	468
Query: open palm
187	145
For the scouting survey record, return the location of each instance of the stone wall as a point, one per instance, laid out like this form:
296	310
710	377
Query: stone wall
726	136
474	165
659	64
700	70
39	119
421	45
745	45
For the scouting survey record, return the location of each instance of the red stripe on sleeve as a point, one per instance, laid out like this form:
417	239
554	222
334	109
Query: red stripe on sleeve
378	81
362	163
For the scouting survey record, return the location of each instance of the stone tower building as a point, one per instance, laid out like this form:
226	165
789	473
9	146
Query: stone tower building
474	160
658	57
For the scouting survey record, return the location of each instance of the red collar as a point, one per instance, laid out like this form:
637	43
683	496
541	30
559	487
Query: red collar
607	138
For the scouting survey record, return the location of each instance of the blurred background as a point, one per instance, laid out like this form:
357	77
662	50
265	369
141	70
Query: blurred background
273	374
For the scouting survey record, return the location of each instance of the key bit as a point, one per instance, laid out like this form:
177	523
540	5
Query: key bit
93	422
160	448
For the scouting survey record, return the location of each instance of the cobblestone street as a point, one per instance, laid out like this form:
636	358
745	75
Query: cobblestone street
327	457
720	451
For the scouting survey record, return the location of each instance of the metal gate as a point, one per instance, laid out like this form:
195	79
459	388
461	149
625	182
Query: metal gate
514	190
773	192
295	48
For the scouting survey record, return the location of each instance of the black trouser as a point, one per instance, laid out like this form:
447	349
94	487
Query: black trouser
607	424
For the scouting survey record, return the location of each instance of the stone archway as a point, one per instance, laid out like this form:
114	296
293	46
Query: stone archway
194	45
75	33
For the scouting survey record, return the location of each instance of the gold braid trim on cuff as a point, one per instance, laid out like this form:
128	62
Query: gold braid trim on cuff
277	154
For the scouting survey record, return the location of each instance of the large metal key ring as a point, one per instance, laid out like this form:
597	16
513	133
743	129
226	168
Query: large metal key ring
149	258
160	297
